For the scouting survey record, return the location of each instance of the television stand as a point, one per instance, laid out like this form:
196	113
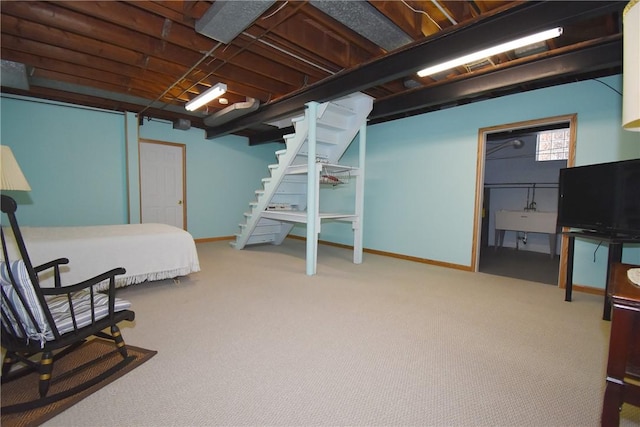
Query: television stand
615	244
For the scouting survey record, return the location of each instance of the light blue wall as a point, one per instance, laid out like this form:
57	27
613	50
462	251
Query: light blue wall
77	161
420	171
74	159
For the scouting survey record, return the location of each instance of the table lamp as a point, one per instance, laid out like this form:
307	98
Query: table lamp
12	176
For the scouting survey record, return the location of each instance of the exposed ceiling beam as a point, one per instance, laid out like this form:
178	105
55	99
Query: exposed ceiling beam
275	135
512	23
592	58
500	82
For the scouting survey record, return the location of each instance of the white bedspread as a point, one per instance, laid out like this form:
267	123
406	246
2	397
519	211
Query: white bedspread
147	251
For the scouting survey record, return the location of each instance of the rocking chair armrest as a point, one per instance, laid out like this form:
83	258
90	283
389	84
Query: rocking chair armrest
111	274
51	264
55	264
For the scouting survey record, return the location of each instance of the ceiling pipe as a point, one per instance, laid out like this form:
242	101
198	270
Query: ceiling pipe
444	12
286	52
515	143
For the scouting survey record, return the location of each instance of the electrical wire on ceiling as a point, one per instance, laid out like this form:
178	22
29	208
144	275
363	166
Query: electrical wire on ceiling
423	13
184	76
207	55
436	4
275	11
241	49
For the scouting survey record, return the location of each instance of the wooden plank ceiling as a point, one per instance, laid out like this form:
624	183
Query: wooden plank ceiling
148	57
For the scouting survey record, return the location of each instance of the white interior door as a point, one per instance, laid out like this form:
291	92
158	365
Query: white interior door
162	183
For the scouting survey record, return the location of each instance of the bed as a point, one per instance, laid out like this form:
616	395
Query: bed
148	252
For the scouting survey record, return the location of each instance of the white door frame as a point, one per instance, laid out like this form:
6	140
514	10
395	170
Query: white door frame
184	175
572	119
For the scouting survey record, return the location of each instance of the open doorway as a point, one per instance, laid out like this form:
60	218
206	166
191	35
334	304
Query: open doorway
516	199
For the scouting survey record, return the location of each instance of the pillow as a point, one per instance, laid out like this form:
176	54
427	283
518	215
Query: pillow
38	331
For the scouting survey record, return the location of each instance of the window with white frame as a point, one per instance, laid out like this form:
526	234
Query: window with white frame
552	145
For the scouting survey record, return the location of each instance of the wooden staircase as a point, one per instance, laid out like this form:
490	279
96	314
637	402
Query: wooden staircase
321	137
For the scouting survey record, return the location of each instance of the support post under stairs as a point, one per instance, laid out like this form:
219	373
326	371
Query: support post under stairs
313	196
359	208
313	153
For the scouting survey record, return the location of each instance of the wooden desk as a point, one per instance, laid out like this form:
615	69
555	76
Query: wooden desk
623	367
615	255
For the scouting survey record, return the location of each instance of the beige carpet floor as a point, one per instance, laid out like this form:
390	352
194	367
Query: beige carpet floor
251	340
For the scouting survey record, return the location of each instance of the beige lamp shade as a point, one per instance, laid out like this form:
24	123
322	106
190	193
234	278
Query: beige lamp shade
12	176
631	66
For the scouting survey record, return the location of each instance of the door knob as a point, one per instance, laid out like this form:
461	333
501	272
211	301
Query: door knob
179	202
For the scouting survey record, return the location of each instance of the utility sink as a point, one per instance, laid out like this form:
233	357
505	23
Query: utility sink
526	221
530	221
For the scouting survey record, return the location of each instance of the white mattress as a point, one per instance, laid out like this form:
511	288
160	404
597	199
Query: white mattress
147	251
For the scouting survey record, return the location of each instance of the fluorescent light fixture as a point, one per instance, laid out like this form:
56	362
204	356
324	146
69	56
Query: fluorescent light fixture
206	97
485	53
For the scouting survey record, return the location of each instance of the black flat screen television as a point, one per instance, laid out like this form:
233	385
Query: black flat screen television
603	198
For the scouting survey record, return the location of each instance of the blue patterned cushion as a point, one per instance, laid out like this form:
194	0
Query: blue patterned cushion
23	285
59	308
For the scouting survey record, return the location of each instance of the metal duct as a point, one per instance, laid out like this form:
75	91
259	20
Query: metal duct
531	49
225	19
366	20
14	74
232	111
476	65
182	124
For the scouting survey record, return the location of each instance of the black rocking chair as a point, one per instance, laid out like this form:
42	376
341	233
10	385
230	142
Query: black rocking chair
52	322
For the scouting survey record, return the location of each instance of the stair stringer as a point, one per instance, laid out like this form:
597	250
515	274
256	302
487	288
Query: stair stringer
264	196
